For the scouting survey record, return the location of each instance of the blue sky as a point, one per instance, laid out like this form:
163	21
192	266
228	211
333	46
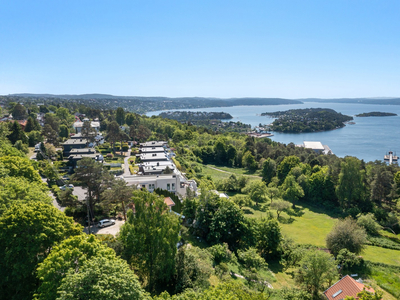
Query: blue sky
288	49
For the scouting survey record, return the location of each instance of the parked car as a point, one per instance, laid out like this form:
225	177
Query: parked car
64	187
106	222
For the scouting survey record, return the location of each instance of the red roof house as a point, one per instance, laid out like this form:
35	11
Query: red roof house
346	286
169	202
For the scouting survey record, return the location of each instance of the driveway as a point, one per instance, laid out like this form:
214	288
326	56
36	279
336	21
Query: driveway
80	192
55	203
114	229
126	163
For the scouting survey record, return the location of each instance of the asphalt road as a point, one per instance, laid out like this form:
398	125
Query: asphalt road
80	192
55	203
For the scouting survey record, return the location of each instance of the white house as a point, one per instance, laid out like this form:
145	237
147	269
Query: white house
317	147
78	126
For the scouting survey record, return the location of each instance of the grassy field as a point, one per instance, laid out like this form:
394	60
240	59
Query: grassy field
312	227
218	173
382	255
309	227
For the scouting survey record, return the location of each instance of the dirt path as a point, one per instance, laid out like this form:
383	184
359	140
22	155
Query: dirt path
241	276
255	176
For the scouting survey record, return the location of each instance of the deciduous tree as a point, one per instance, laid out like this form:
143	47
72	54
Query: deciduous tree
20	167
27	234
317	271
350	189
280	206
287	164
19	112
346	234
101	278
268	170
19	190
292	191
257	191
71	253
150	236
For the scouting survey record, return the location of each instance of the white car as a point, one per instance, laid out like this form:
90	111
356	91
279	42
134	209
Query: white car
69	186
106	222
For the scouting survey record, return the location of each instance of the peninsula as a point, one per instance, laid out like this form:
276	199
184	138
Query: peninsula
307	120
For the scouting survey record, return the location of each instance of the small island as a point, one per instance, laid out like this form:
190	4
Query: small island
307	120
376	114
193	116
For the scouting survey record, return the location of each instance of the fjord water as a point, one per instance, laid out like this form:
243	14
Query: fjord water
369	139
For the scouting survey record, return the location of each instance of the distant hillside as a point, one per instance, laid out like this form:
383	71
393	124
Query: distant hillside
382	100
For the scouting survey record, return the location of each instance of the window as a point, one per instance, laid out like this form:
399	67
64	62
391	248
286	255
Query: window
168	186
173	186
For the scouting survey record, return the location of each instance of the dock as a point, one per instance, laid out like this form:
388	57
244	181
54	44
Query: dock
390	158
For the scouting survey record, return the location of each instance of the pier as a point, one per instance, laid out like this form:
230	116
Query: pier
390	158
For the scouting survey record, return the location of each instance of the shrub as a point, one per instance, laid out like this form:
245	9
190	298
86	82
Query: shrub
346	234
251	259
369	223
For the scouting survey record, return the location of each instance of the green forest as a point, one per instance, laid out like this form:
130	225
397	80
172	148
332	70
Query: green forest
376	114
307	120
294	221
195	116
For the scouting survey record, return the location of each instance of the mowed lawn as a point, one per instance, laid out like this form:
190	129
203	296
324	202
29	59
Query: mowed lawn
226	172
310	228
382	255
313	227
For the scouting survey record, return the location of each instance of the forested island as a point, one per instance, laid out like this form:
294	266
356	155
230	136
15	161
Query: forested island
307	120
376	114
195	115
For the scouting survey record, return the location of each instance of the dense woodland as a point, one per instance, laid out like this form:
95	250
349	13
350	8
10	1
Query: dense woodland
223	252
307	120
195	116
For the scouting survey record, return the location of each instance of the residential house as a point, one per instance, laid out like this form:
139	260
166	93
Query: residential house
147	157
78	126
169	202
73	144
153	144
152	150
346	286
